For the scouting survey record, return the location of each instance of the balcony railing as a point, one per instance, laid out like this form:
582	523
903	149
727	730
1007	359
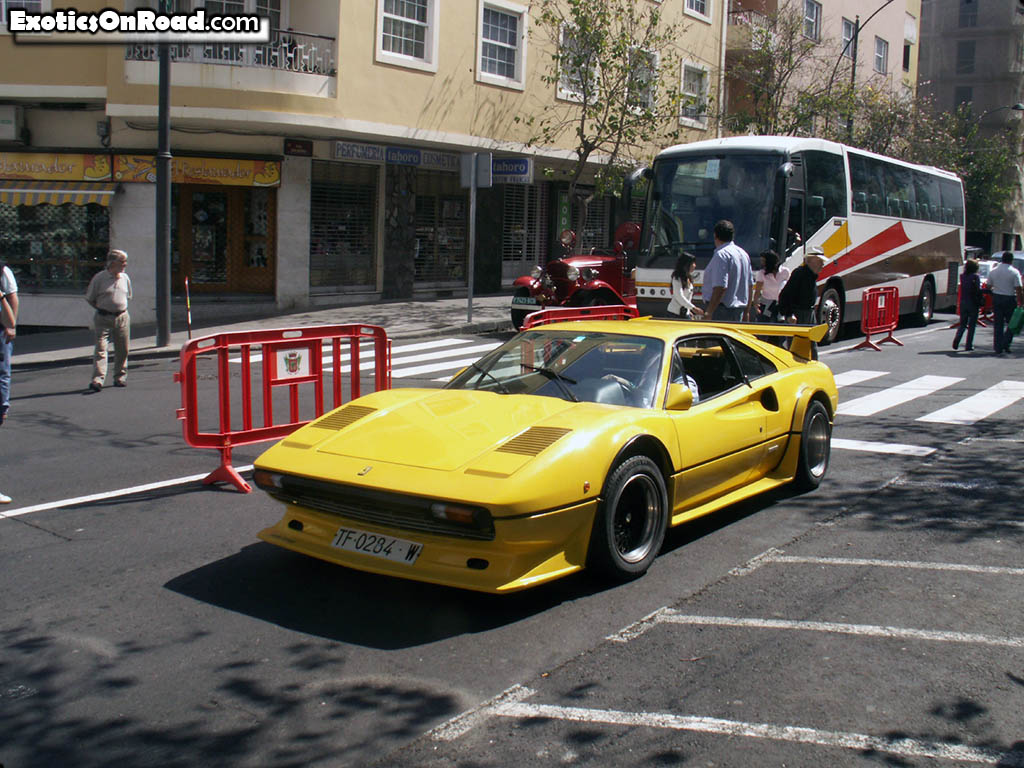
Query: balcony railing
748	18
289	51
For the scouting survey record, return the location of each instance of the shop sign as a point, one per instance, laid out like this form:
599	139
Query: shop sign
48	166
299	147
359	153
564	210
512	170
201	170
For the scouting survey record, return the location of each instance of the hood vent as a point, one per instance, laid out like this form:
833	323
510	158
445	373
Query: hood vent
341	419
533	441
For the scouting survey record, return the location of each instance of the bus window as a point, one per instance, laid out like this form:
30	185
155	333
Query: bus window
926	187
824	178
952	202
795	227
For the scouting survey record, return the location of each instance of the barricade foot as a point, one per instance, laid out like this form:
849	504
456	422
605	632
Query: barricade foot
892	339
226	473
868	344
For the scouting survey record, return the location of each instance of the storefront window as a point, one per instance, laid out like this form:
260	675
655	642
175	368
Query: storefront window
343	234
441	228
54	248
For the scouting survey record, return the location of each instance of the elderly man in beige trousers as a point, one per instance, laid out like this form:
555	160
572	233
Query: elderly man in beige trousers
108	293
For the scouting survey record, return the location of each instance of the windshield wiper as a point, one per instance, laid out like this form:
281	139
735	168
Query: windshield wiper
556	377
504	390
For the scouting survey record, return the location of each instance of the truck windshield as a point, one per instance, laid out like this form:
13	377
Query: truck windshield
690	193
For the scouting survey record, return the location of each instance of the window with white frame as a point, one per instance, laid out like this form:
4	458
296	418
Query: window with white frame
695	95
881	56
577	72
699	7
407	33
36	6
501	43
812	20
643	77
849	30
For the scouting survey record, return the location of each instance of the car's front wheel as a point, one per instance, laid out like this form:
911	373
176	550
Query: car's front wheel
631	521
815	448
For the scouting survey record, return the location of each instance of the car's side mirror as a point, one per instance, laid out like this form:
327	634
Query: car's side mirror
680	398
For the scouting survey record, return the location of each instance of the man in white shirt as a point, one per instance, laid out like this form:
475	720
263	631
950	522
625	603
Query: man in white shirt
108	293
728	278
1007	294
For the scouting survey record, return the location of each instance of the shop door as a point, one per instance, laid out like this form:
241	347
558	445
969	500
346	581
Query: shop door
223	240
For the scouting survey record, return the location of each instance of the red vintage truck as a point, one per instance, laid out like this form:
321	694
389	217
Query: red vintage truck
597	278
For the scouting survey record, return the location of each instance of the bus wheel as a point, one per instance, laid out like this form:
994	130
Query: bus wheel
830	312
519	315
925	303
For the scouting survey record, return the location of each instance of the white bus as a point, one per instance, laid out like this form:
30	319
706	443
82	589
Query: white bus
879	221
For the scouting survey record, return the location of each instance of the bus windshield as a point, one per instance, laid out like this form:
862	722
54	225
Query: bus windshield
690	193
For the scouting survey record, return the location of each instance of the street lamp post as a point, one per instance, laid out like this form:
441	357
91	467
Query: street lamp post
857	27
163	193
1018	107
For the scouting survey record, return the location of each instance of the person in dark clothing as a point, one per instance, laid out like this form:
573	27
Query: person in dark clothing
970	300
800	294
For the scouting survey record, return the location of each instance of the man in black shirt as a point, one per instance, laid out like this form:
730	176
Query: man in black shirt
800	294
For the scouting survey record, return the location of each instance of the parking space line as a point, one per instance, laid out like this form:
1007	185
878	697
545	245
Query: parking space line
904	747
865	630
463	723
912	564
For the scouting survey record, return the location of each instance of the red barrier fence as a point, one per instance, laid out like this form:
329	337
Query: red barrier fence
880	313
564	314
287	359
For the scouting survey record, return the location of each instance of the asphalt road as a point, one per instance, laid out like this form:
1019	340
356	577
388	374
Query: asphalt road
874	621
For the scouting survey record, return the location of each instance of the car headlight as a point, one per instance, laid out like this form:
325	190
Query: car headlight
268	481
589	273
573	273
536	272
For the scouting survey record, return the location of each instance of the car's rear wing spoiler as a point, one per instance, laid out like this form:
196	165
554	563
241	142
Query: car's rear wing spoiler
802	337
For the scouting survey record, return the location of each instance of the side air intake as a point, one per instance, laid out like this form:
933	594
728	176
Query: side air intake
344	417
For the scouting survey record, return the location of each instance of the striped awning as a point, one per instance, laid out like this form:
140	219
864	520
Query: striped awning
28	192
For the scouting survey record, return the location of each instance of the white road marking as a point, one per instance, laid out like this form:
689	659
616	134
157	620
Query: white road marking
869	446
460	724
865	630
110	494
893	396
418	370
904	747
911	564
395	350
846	378
980	405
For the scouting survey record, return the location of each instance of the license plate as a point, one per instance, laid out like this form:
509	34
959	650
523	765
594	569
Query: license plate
525	300
377	545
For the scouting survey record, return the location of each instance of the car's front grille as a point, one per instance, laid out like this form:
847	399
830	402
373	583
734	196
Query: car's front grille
393	510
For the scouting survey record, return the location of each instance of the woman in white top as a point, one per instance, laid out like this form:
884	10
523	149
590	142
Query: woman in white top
682	305
768	283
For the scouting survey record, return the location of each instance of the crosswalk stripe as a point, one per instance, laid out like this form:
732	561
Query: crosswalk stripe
418	370
893	396
846	378
366	349
977	407
868	446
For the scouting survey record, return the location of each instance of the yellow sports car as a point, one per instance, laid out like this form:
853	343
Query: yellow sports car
574	445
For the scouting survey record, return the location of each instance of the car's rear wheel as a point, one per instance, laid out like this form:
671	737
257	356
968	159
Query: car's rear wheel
631	521
519	315
815	447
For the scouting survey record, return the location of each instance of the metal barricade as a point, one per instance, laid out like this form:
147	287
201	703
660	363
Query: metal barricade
880	313
565	314
287	358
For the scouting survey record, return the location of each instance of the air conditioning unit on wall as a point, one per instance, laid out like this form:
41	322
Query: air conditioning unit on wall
12	123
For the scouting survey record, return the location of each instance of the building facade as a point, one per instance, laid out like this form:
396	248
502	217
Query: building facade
319	168
973	53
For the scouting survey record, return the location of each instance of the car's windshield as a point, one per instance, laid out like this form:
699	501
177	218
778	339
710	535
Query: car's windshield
587	366
691	193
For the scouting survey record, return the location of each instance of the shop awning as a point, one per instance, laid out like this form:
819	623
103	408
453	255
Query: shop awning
28	192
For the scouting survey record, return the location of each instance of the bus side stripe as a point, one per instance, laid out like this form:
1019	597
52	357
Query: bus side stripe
886	240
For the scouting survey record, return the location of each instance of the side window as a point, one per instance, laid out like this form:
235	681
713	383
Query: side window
706	359
753	364
825	184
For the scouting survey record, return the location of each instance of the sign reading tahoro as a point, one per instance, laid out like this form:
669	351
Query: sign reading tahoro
143	25
427	159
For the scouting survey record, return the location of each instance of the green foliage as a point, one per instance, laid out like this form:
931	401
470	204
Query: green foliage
617	59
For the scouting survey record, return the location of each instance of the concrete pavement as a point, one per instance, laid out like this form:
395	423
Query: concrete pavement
400	319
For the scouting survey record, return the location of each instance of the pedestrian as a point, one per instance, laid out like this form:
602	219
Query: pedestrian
8	330
768	283
1004	282
971	299
108	293
682	305
798	297
729	278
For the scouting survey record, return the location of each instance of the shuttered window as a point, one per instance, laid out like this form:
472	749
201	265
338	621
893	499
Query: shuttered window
441	229
524	241
342	244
